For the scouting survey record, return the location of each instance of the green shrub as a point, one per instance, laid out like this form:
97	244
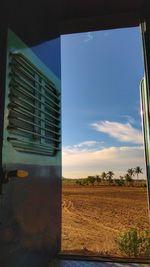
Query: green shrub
134	243
119	182
146	243
128	178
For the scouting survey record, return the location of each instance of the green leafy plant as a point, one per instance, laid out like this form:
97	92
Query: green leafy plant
134	243
145	249
119	182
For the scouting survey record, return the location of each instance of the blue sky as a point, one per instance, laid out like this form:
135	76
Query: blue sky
101	123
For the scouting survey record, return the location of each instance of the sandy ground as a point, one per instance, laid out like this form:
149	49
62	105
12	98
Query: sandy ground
92	216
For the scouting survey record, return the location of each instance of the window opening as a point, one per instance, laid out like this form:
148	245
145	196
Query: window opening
105	206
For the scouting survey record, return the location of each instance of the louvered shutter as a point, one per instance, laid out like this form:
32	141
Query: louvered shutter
34	109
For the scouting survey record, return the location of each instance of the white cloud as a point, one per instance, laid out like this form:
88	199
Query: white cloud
129	118
89	37
79	163
82	147
91	157
122	132
86	143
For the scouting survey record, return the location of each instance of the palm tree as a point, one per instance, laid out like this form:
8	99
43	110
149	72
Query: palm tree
128	178
98	179
131	172
104	175
110	174
137	171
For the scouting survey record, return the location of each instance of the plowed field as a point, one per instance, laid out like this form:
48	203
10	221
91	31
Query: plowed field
93	216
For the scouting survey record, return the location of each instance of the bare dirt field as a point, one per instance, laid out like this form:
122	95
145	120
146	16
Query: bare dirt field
93	216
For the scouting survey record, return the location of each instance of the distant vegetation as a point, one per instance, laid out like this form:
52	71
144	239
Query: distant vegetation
108	178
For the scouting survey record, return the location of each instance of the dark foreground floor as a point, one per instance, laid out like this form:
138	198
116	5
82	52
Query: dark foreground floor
77	263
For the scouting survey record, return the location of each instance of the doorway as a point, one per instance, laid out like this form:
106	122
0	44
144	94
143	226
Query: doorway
105	205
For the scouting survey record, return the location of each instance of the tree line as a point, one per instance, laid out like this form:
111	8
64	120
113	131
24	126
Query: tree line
108	178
